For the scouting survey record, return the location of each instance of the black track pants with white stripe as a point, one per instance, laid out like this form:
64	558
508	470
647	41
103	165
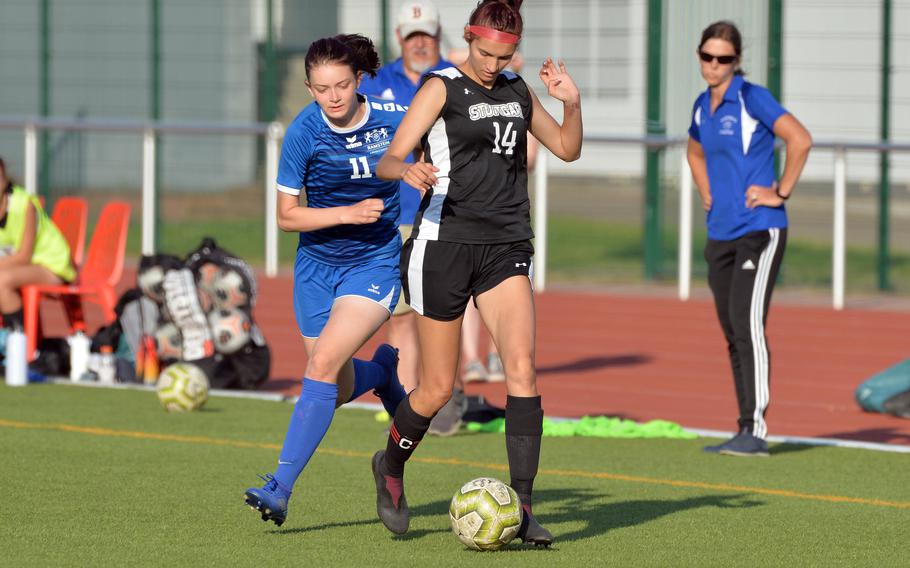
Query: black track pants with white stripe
741	274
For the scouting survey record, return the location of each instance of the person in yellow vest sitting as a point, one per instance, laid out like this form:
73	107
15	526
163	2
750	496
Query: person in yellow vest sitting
32	249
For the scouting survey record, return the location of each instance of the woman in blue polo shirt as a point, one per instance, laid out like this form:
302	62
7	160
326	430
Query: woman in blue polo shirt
731	152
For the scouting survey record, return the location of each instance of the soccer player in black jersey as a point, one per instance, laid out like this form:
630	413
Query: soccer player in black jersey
472	239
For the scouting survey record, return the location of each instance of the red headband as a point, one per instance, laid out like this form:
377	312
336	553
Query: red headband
495	35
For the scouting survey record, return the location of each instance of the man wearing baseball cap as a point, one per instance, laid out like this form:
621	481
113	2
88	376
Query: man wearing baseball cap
418	34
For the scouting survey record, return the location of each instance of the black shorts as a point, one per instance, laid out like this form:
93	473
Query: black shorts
439	277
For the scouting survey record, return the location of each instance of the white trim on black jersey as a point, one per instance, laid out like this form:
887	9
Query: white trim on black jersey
450	72
438	142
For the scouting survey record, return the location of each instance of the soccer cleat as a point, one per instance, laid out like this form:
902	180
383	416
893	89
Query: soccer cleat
474	372
448	420
392	392
391	504
531	532
271	499
495	371
746	445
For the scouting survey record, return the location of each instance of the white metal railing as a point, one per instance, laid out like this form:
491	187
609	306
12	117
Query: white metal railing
149	131
540	219
839	250
273	133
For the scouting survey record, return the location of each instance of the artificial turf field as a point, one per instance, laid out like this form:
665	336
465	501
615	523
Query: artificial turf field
105	477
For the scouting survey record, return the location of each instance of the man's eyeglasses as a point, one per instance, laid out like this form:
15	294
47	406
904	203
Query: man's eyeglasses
722	59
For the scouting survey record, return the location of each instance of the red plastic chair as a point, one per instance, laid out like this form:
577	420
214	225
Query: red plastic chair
97	278
71	217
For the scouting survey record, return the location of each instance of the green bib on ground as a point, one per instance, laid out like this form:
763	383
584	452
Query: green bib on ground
596	427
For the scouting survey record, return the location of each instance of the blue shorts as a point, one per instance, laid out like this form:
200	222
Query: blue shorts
318	285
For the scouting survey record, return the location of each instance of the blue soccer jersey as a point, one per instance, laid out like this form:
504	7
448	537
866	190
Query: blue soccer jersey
337	167
738	141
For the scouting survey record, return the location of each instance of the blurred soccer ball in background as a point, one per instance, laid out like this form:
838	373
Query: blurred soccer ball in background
182	387
151	282
230	329
485	513
169	342
230	290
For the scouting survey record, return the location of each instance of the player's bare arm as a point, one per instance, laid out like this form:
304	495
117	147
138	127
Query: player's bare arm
294	217
420	117
563	140
696	156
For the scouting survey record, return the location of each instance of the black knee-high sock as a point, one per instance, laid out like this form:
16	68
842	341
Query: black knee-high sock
524	427
406	432
14	320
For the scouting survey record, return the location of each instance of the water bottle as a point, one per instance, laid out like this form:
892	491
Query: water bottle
16	361
80	346
107	366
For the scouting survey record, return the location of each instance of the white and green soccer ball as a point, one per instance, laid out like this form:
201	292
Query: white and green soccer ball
485	513
182	387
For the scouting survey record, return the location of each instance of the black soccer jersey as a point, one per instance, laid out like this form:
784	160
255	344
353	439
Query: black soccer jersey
479	143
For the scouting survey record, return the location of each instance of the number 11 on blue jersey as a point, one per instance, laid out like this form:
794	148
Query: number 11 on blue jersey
356	167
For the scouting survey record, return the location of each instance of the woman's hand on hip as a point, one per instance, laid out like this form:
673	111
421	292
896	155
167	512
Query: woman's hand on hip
760	195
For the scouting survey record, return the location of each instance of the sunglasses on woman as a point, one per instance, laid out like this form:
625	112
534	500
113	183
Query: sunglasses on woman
722	59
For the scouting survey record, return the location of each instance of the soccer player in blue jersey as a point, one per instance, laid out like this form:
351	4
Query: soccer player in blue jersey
346	279
731	152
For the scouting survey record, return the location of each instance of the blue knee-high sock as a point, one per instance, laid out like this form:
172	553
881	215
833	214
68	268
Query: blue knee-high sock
311	419
368	375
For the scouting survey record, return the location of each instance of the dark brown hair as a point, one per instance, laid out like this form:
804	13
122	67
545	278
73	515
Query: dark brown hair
500	15
725	30
354	50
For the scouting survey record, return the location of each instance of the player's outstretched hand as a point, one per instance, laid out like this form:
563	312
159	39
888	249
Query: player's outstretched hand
559	83
421	175
363	213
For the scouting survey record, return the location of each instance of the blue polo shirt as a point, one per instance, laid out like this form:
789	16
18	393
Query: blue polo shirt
391	83
738	141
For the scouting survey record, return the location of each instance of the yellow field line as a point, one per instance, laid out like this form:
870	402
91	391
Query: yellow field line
454	461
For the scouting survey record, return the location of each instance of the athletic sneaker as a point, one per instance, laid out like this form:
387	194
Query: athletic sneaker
746	445
495	371
531	532
391	504
716	448
448	420
474	372
271	499
392	392
742	444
